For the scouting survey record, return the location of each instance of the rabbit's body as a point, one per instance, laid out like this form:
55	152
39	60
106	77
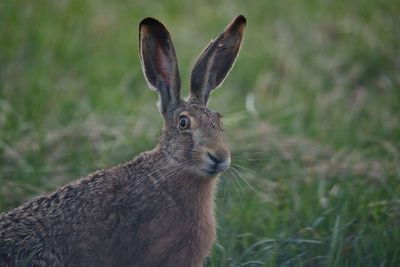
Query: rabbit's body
113	216
157	210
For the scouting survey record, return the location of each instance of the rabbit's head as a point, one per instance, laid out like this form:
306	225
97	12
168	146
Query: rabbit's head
191	134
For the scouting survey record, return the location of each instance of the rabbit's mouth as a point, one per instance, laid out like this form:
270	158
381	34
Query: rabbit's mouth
214	165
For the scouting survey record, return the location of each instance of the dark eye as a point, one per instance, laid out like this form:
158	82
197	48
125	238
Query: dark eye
184	122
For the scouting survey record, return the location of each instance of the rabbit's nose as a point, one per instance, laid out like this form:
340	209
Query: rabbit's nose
220	163
214	159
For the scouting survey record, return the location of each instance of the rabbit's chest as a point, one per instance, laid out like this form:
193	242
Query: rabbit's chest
181	235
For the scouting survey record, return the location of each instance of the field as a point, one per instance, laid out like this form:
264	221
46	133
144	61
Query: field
311	113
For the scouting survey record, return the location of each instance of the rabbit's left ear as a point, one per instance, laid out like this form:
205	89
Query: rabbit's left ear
216	60
159	64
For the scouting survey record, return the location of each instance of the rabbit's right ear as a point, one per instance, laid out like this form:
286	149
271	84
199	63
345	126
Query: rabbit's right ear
216	60
159	64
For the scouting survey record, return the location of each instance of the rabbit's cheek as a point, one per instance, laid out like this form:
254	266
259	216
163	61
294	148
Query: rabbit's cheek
198	141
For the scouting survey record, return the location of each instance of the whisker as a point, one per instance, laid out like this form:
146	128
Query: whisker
244	179
246	170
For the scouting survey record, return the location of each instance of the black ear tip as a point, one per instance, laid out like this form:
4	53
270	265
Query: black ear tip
149	21
240	19
237	26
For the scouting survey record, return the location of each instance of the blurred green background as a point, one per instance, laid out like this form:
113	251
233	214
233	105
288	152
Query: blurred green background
311	113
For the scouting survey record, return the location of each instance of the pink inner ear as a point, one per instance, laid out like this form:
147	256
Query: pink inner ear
163	65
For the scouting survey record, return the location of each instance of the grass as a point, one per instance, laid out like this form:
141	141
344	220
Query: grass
311	112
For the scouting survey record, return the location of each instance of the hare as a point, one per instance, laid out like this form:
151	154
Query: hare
156	210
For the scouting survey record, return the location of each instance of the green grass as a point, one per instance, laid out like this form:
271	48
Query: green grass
311	110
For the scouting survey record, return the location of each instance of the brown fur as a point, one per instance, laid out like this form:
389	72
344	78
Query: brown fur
156	210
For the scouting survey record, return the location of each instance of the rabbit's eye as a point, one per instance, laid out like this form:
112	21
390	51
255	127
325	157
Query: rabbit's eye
184	122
